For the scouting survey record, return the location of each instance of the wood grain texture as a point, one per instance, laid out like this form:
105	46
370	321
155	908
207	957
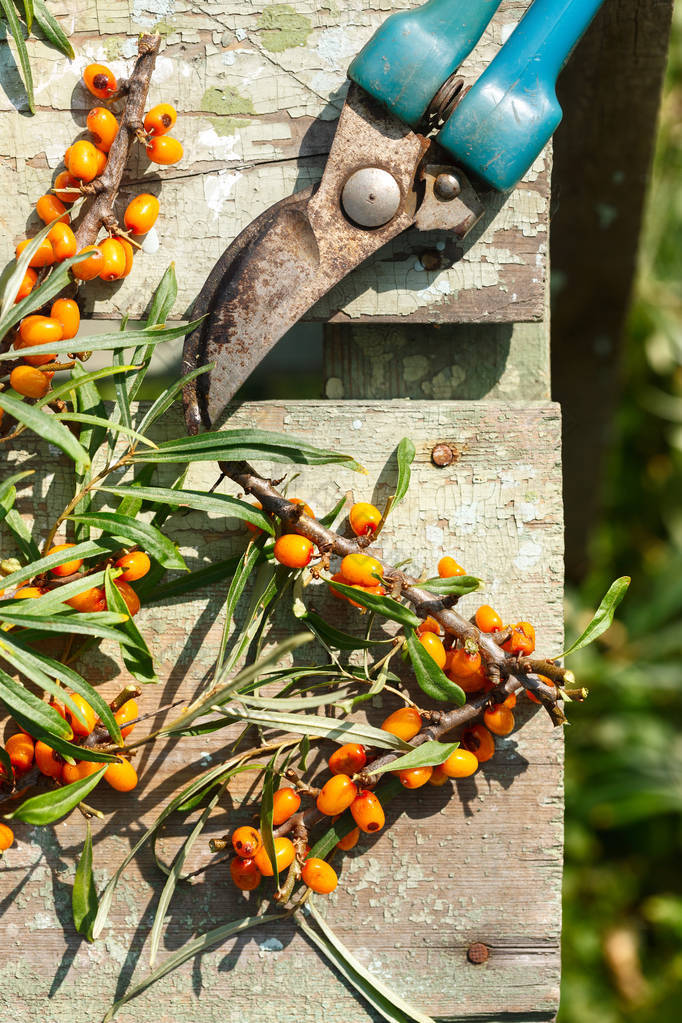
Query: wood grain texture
259	87
481	863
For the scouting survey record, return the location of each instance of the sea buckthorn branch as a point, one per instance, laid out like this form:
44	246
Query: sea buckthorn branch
102	192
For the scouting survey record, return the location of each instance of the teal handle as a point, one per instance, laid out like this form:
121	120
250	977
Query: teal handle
413	53
505	120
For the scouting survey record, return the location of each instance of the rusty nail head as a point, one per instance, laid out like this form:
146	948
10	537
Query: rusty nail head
447	187
442	455
478	952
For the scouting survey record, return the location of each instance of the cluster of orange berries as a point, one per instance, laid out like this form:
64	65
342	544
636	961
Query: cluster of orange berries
24	752
133	565
112	257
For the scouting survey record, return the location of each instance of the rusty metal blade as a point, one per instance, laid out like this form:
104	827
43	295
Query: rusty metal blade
292	254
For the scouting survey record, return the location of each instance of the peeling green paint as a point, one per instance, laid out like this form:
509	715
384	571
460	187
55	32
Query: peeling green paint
226	103
281	27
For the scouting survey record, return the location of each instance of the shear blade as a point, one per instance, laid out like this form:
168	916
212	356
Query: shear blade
292	254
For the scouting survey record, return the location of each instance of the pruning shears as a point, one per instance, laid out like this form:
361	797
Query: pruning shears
415	146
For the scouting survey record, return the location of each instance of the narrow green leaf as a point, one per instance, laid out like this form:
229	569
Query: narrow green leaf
329	519
84	894
9	485
16	276
387	1002
405	454
88	549
604	615
57	280
252	557
80	380
320	727
266	810
137	656
80	417
78	623
199	500
45	426
51	29
387	790
429	754
28	13
188	951
19	529
69	750
336	638
149	538
18	699
457	585
33	672
51	806
109	342
167	397
387	607
15	29
164	298
430	678
6	763
287	703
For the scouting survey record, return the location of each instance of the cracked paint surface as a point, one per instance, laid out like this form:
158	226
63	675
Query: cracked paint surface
411	899
258	87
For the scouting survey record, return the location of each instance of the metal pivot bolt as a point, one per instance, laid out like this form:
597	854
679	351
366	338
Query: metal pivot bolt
447	187
371	197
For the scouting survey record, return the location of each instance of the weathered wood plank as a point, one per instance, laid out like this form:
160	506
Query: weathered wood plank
480	864
258	87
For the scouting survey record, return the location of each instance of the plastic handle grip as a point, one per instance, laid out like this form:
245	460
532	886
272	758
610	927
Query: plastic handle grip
509	115
413	53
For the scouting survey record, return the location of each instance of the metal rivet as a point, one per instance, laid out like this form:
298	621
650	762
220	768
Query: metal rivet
442	455
371	197
478	952
447	187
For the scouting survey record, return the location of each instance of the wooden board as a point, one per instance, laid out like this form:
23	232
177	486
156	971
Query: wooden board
482	863
258	87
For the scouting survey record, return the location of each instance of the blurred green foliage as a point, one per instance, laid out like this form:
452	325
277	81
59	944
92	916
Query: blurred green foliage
623	889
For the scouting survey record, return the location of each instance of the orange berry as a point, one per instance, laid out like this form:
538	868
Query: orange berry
141	213
307	510
66	567
547	681
522	640
113	260
90	600
66	312
28	593
499	720
479	741
464	668
246	842
336	795
293	550
6	837
349	841
103	126
102	161
50	207
160	119
43	256
245	874
448	567
249	525
129	253
39	330
284	854
414	777
89	268
48	761
63	242
20	748
460	764
285	803
67	188
128	712
434	646
367	812
30	382
487	619
429	625
319	876
80	729
100	81
510	701
122	776
135	566
364	518
27	285
348	759
81	769
438	776
405	722
361	570
83	161
131	598
164	150
339	578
